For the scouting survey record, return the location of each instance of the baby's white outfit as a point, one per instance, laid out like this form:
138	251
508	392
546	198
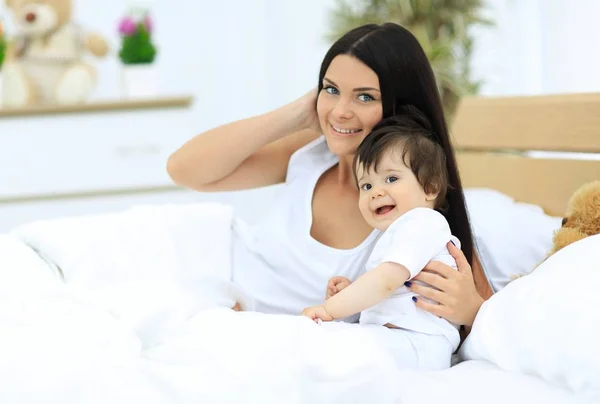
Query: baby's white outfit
417	237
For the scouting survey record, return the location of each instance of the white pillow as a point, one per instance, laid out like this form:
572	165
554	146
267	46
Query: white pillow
512	238
547	323
22	270
182	242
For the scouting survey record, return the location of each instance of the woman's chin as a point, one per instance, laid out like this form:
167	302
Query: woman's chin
343	145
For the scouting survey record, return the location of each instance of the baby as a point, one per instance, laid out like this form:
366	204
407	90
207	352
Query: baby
402	179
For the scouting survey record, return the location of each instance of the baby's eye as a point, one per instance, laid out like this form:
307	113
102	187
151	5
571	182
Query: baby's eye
365	187
331	90
365	98
391	178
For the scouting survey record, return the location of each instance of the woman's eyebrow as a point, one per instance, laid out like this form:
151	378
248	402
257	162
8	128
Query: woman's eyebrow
366	89
356	89
330	81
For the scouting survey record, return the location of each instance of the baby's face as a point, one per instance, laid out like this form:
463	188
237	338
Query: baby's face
389	190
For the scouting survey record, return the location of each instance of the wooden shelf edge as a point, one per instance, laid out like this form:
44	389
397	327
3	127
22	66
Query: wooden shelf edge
100	106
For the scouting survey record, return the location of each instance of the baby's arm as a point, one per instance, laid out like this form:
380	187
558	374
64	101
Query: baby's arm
411	240
368	290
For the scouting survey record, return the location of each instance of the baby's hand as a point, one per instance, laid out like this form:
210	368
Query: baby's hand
336	285
317	313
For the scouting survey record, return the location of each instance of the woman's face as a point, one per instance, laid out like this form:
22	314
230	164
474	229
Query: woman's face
349	105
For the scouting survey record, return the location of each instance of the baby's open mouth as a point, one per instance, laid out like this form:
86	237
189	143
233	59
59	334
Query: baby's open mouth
382	210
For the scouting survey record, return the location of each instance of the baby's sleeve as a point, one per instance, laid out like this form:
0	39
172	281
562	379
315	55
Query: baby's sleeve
415	238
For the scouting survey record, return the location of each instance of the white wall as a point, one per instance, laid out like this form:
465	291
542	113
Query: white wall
570	45
507	56
539	47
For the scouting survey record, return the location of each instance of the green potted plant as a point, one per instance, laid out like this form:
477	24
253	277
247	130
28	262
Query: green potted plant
441	26
137	54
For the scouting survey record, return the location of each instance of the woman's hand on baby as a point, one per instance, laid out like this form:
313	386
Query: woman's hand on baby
457	296
317	313
336	285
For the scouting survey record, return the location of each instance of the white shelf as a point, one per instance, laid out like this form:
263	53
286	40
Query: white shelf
99	106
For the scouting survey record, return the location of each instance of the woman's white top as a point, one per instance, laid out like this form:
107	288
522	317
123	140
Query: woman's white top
415	238
276	261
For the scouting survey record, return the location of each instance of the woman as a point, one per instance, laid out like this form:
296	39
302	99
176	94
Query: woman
315	229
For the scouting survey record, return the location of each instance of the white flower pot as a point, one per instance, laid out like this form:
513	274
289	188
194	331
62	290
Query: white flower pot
139	81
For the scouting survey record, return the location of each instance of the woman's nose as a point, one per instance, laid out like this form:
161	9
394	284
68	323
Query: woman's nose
342	109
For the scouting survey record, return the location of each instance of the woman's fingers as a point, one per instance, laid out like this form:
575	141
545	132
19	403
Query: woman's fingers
440	268
457	296
432	279
435	309
459	257
430	293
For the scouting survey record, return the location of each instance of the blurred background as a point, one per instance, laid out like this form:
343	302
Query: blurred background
204	63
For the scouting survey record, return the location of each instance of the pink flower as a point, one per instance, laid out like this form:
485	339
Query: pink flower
148	23
127	26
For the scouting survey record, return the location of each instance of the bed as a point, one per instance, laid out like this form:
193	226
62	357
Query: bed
87	314
536	149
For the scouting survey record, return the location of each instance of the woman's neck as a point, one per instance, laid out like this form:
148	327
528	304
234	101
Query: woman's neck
345	171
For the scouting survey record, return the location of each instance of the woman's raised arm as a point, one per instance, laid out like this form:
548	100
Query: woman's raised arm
249	153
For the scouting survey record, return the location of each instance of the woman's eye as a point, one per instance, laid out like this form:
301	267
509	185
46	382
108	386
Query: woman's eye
391	178
365	98
331	90
365	187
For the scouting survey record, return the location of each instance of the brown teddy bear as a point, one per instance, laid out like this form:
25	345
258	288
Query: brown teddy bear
45	62
582	220
582	217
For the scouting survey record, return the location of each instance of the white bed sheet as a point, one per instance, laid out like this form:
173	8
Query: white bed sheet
480	382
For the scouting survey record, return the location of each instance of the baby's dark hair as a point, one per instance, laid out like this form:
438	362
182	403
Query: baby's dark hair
410	133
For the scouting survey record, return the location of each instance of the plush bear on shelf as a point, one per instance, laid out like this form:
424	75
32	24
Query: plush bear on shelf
45	63
582	217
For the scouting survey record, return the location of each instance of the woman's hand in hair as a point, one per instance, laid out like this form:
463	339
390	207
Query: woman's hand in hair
457	296
306	107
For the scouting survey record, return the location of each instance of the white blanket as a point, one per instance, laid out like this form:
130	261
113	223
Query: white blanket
62	345
134	307
143	316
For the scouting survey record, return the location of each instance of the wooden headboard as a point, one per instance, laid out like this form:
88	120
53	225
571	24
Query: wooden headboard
503	144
